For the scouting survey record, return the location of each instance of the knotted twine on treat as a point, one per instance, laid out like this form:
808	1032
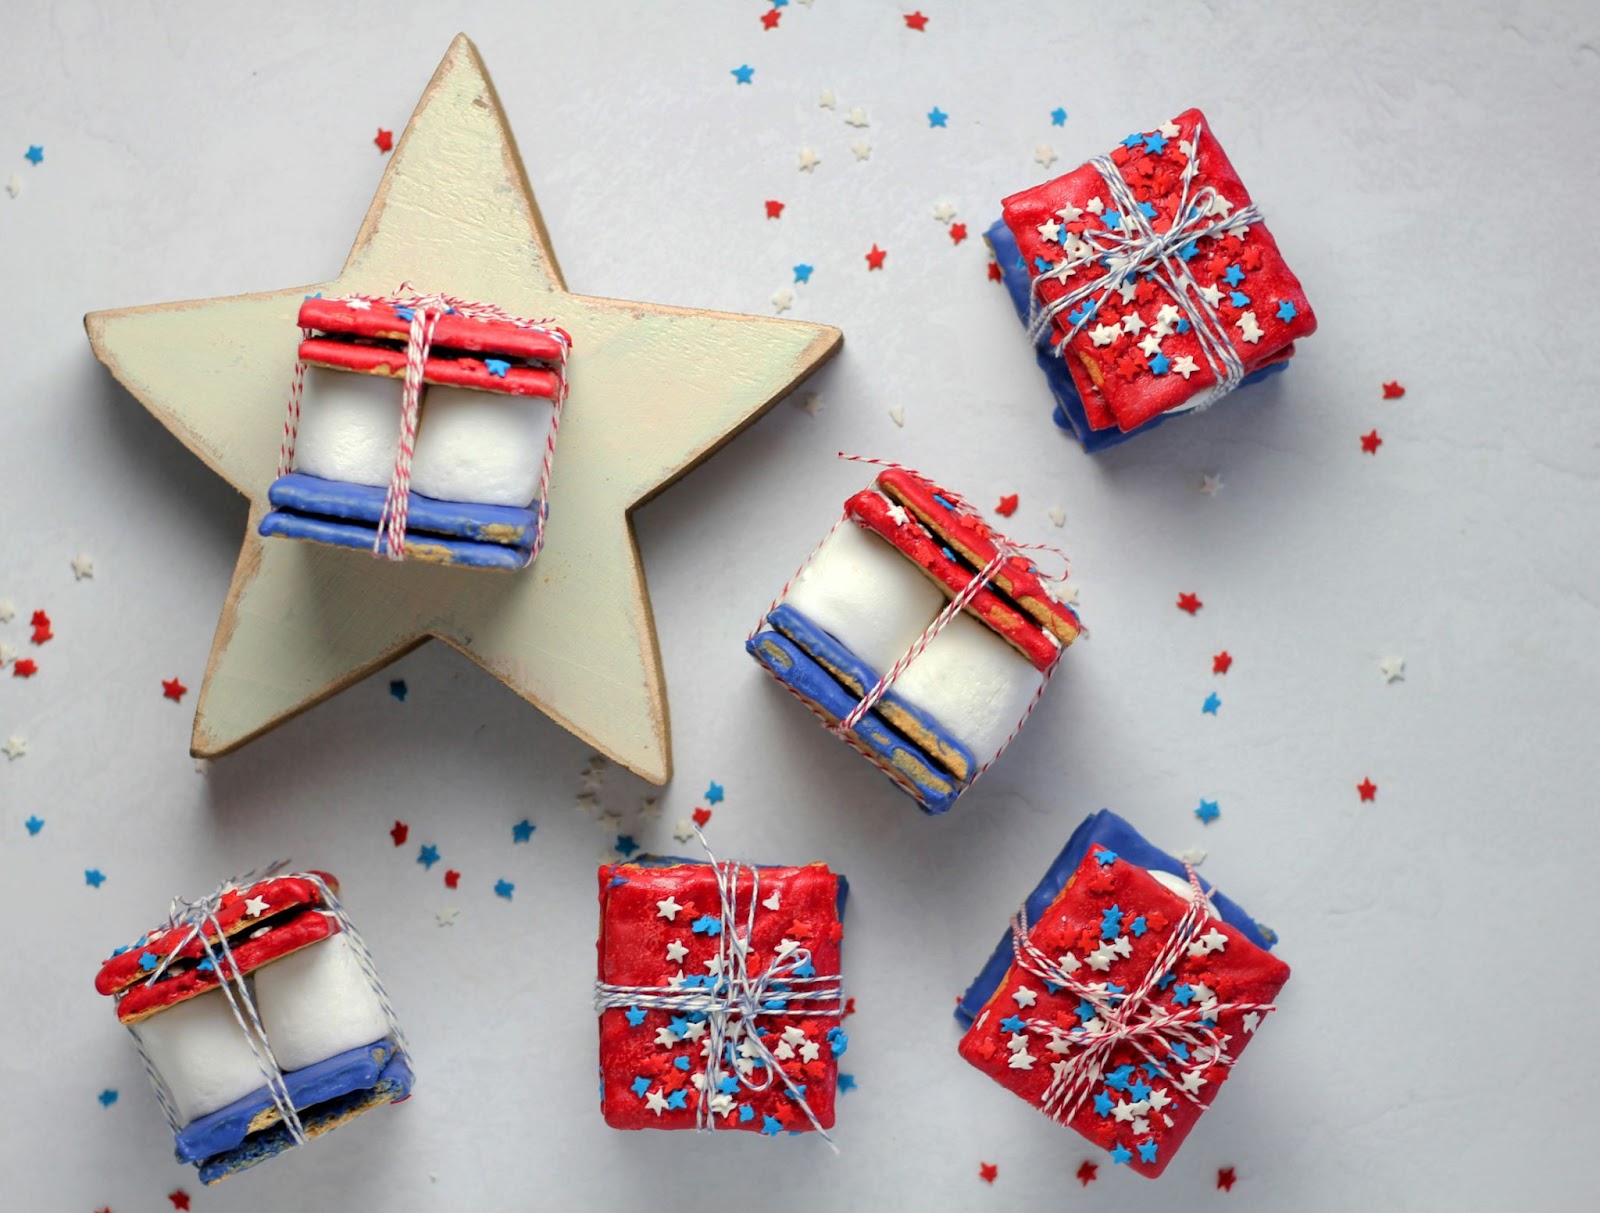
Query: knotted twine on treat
1132	1018
1137	248
425	310
201	917
733	999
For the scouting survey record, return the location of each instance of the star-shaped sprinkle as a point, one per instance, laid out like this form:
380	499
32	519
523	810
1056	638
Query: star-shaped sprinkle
34	824
94	878
397	688
255	907
82	566
428	855
179	1199
683	831
34	154
861	148
1007	505
25	667
916	21
656	1102
1147	1151
504	888
827	101
857	117
107	1097
770	18
399	832
497	367
1121	1155
701	816
808	159
626	845
1371	442
447	916
937	117
875	258
1225	1178
943	212
1058	116
384	140
802	273
1222	662
7	611
707	925
14	185
41	628
1044	155
782	298
1367	789
1189	602
1208	811
898	415
676	951
743	74
958	232
15	747
1024	997
172	689
523	831
1212	703
668	908
452	878
774	208
714	793
635	1018
1393	391
1087	1172
1393	669
988	1172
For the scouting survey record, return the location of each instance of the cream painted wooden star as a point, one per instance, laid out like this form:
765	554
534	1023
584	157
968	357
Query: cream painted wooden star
655	390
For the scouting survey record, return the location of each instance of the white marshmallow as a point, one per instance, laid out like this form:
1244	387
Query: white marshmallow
1178	885
472	446
480	446
201	1053
317	1003
973	683
864	593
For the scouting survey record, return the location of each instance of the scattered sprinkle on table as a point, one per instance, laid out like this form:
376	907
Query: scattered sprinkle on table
428	855
82	566
743	73
1393	391
452	878
827	101
15	747
1189	602
1208	811
808	159
1057	516
25	667
1044	155
875	258
397	688
988	1172
857	117
937	117
994	271
447	916
958	232
1222	662
1371	442
1087	1172
1368	789
107	1097
802	273
504	888
774	208
701	816
861	148
1006	506
847	1082
14	185
916	21
400	831
1225	1178
1212	703
1058	116
41	627
384	140
34	824
522	831
683	831
179	1198
1393	669
172	689
769	19
1210	485
782	298
94	877
34	154
898	415
7	611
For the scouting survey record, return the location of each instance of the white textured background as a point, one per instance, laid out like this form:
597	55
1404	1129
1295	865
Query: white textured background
1428	170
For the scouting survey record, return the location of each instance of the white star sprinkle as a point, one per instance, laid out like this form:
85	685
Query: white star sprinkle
1185	366
857	116
1211	294
668	908
1210	483
1064	593
1393	669
1044	155
1067	963
82	566
655	1101
1058	516
683	831
827	100
1220	206
808	160
1194	857
255	907
1168	129
810	1051
809	404
1127	290
1068	213
1123	1112
358	305
676	952
1151	344
898	415
1021	1061
1191	1081
1133	323
1024	997
861	148
785	946
1061	1070
1159	1099
447	916
943	212
15	747
1104	334
695	1030
7	653
7	611
1049	230
898	513
784	1051
14	186
1248	328
722	1103
666	1037
1094	206
1167	318
1212	941
650	807
1252	1020
1018	1042
773	902
781	299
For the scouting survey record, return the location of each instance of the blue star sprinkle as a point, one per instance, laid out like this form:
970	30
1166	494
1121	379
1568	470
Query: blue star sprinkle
714	793
771	1126
1117	1079
641	1086
523	831
34	155
937	117
1139	1090
148	961
1188	250
1113	989
1012	1023
1212	703
404	313
1111	922
1086	1010
1155	144
1160	364
682	1063
707	925
1112	219
1180	1051
497	367
679	1098
680	1026
838	1041
1058	116
1138	927
1239	299
1133	141
1234	275
802	273
428	855
847	1082
1105	857
107	1097
397	688
504	888
34	824
206	965
1286	311
1183	994
798	1094
626	845
1103	1103
1121	1155
1083	315
94	878
1147	210
635	1017
743	73
1208	811
746	1112
1040	264
1147	1151
729	1084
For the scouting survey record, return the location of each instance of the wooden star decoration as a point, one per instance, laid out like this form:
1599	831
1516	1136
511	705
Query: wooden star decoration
655	390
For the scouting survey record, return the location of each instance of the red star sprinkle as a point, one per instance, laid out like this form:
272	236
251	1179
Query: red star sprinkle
701	816
994	272
916	21
400	833
1393	391
179	1199
1189	602
385	141
1225	1178
875	258
1007	506
451	878
1088	1172
1371	442
988	1172
958	233
41	627
172	689
26	667
769	19
1221	662
1368	789
774	208
849	1008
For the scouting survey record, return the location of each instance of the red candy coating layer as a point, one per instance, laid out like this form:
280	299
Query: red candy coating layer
493	337
452	372
1239	972
633	942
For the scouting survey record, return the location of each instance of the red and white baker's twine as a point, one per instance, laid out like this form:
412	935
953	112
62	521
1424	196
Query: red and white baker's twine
426	309
201	918
1132	1019
1004	550
1137	248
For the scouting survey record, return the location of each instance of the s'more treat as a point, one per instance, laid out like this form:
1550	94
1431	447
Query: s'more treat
1122	995
1149	282
260	1019
719	997
479	441
860	609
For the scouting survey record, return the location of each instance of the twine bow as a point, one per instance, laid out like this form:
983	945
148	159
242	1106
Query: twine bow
200	920
426	309
1137	248
733	999
1134	1019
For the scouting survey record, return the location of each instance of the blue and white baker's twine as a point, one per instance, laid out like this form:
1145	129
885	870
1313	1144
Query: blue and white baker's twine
1137	248
739	994
196	916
